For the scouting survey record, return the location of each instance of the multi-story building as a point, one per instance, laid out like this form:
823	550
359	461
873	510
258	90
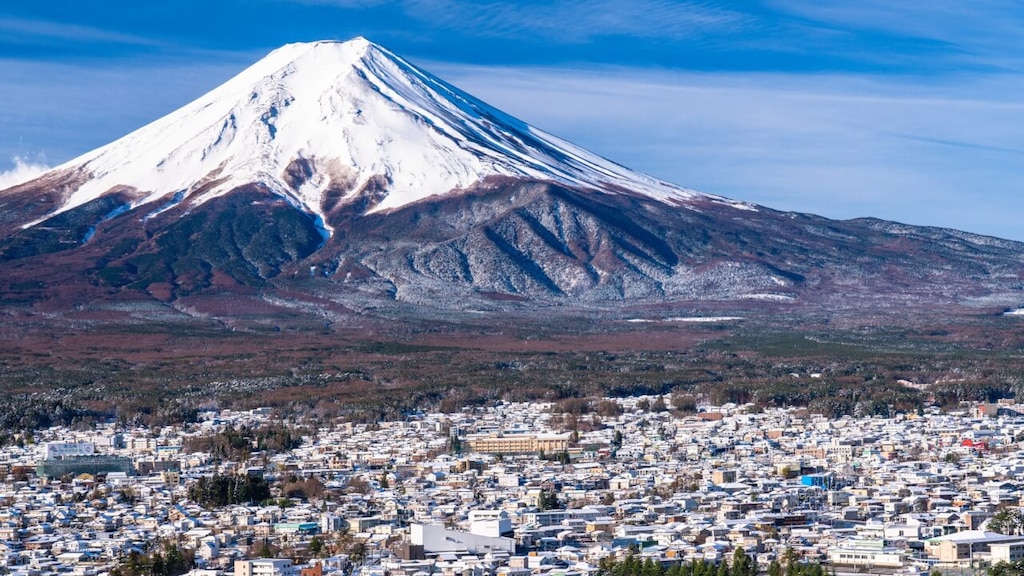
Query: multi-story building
518	443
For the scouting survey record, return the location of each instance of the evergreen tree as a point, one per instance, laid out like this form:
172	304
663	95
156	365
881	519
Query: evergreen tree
702	568
548	500
316	546
652	568
617	440
455	444
723	568
264	550
741	563
157	567
792	562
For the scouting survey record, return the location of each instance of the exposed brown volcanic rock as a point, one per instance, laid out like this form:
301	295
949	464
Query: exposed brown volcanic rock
505	243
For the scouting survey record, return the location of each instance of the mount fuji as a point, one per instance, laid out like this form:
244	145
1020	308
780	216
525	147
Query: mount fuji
323	116
339	173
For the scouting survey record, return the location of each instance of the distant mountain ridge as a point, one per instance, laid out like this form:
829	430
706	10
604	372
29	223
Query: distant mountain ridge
337	171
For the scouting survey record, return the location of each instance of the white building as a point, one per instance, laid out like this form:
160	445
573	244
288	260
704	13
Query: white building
57	450
1008	552
265	567
869	553
492	523
436	538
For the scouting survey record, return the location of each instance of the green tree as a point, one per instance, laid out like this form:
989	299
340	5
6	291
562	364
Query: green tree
548	500
650	568
742	565
791	560
166	560
176	561
357	553
455	444
316	546
617	440
1004	568
264	551
1009	521
157	567
723	568
222	490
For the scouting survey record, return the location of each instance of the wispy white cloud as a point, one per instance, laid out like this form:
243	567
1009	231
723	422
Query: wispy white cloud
944	154
979	32
566	21
579	20
23	171
24	29
346	3
944	20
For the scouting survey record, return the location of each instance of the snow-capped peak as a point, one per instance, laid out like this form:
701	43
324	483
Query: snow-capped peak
348	112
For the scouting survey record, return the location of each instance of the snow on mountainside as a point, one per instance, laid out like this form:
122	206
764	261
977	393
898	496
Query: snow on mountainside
335	115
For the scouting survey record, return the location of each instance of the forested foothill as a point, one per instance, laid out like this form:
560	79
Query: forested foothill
152	374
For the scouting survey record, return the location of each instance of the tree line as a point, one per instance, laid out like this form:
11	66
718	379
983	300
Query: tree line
168	560
226	489
238	443
741	564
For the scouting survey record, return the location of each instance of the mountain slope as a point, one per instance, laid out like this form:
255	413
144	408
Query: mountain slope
330	117
340	172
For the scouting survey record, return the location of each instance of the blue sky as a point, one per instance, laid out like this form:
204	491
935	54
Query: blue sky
909	111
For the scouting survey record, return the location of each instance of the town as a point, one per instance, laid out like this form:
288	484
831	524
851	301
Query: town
519	489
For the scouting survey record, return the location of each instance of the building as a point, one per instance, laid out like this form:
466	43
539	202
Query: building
518	443
493	523
723	476
1008	552
819	480
57	450
75	465
435	538
866	553
265	567
969	546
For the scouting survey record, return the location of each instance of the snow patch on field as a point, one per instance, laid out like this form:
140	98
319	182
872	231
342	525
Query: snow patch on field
771	297
694	319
